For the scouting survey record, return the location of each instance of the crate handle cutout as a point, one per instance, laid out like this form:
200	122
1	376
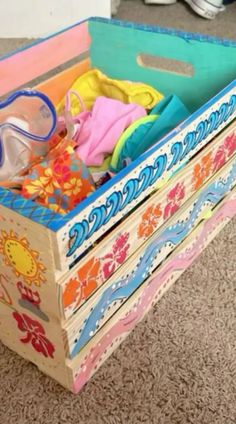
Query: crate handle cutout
116	46
163	64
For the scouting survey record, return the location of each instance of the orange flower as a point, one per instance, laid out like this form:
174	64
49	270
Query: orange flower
201	171
43	187
73	186
80	287
149	221
88	276
72	292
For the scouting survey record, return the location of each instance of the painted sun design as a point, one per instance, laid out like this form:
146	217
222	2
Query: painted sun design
23	260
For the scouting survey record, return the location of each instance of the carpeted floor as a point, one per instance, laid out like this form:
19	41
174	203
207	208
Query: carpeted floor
179	365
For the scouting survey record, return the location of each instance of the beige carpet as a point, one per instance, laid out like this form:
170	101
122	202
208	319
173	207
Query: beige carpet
179	365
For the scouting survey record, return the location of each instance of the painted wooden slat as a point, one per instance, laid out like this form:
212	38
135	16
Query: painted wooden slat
126	41
95	215
111	295
33	61
105	258
101	346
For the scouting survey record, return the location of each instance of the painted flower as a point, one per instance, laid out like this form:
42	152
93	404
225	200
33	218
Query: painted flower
174	198
72	187
72	292
201	171
34	334
117	255
230	143
82	286
225	151
88	276
149	221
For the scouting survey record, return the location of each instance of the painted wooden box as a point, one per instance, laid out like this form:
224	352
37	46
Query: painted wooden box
72	287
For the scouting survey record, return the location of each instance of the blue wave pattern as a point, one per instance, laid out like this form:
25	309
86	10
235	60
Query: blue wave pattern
174	234
179	154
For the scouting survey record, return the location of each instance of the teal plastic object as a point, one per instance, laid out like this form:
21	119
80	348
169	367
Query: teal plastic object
168	114
116	48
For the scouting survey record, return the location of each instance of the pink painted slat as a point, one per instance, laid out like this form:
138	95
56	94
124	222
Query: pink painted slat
25	65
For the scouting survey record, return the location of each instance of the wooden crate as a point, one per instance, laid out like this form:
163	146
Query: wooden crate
67	298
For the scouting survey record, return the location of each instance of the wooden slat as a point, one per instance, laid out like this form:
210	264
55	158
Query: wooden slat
178	190
81	221
108	298
132	312
25	65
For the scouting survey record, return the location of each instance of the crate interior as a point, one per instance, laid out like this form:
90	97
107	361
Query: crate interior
193	66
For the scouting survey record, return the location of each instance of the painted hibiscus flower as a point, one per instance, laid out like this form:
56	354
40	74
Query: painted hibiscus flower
88	276
149	221
72	292
174	198
34	333
117	255
201	171
225	151
80	287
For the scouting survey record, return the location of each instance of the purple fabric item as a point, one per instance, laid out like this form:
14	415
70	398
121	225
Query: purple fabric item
98	131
